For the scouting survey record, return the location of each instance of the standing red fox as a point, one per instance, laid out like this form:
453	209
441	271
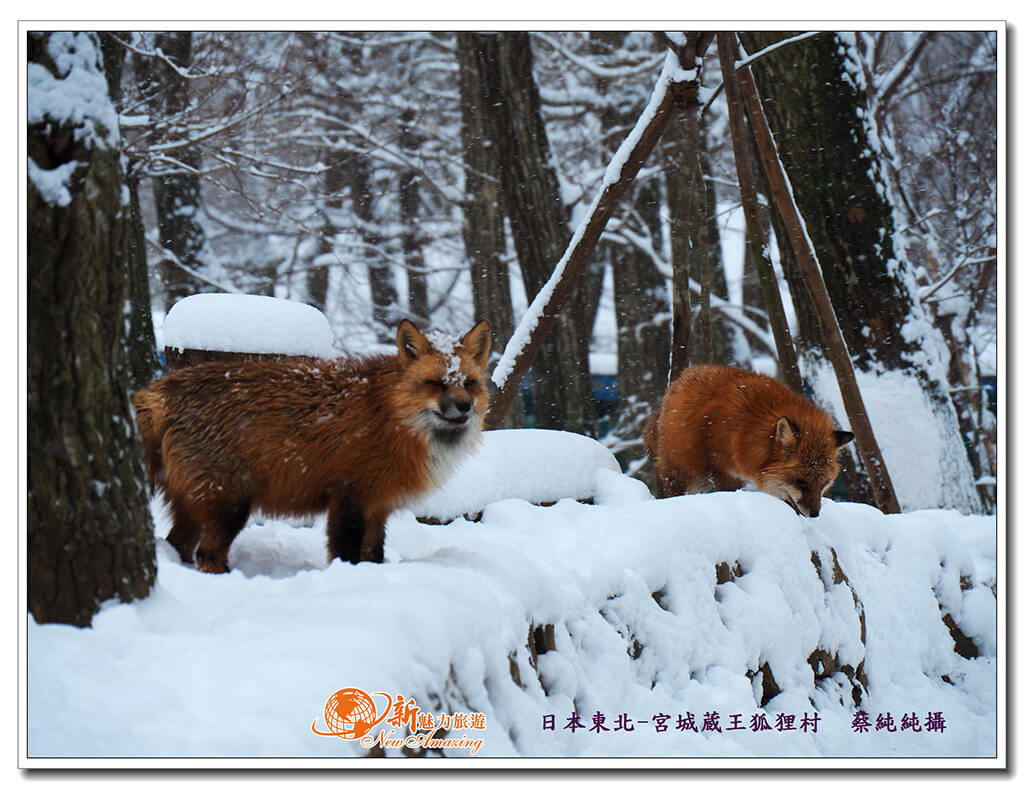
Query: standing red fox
357	438
720	427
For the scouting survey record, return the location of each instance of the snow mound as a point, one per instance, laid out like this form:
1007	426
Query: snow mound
540	466
248	324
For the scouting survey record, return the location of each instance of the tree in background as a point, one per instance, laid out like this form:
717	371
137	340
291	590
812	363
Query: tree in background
483	226
90	536
932	98
176	181
641	295
539	225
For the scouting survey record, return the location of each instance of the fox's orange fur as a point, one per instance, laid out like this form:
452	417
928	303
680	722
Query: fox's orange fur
353	437
720	427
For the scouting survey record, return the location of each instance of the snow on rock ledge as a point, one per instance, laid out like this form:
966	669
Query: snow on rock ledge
725	603
540	466
248	324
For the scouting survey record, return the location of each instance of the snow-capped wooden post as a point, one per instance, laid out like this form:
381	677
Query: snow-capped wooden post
674	85
803	250
231	327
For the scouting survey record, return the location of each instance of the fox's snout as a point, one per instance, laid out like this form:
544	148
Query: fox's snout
455	406
809	509
803	497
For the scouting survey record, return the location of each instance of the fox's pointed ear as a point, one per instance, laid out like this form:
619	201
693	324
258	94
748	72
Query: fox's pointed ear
786	433
478	342
411	343
843	437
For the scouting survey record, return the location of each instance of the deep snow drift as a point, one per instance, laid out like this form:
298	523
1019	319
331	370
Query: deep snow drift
663	625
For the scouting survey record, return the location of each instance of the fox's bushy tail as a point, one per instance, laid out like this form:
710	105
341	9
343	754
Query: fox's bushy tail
151	416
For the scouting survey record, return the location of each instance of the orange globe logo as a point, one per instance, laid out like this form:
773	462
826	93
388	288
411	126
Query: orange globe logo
350	713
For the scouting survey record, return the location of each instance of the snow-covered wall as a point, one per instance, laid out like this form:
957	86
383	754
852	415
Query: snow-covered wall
685	627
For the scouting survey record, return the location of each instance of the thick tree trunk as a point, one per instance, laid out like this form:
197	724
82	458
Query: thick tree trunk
717	344
696	247
318	277
643	338
483	227
691	239
682	203
835	179
383	293
90	536
561	373
144	359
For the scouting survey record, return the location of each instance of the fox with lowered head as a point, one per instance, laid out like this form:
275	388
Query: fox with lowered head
718	428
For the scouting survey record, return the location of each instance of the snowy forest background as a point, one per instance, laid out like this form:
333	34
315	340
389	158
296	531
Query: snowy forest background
439	177
355	172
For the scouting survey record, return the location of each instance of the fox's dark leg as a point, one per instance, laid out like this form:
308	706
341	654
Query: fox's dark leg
669	484
184	533
373	540
221	529
672	486
345	528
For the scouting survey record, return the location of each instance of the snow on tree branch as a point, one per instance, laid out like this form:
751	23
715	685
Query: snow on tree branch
617	177
587	64
743	62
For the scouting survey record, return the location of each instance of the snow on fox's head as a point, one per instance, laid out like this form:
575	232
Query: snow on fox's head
442	379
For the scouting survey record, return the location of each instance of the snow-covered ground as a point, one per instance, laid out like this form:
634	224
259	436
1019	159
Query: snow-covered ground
657	619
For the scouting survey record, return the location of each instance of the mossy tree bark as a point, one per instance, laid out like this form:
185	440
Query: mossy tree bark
90	535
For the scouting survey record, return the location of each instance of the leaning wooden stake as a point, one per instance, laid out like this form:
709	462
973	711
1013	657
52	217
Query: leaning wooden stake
674	85
835	346
755	231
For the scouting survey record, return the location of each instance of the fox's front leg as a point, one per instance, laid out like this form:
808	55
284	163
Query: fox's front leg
346	526
373	538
